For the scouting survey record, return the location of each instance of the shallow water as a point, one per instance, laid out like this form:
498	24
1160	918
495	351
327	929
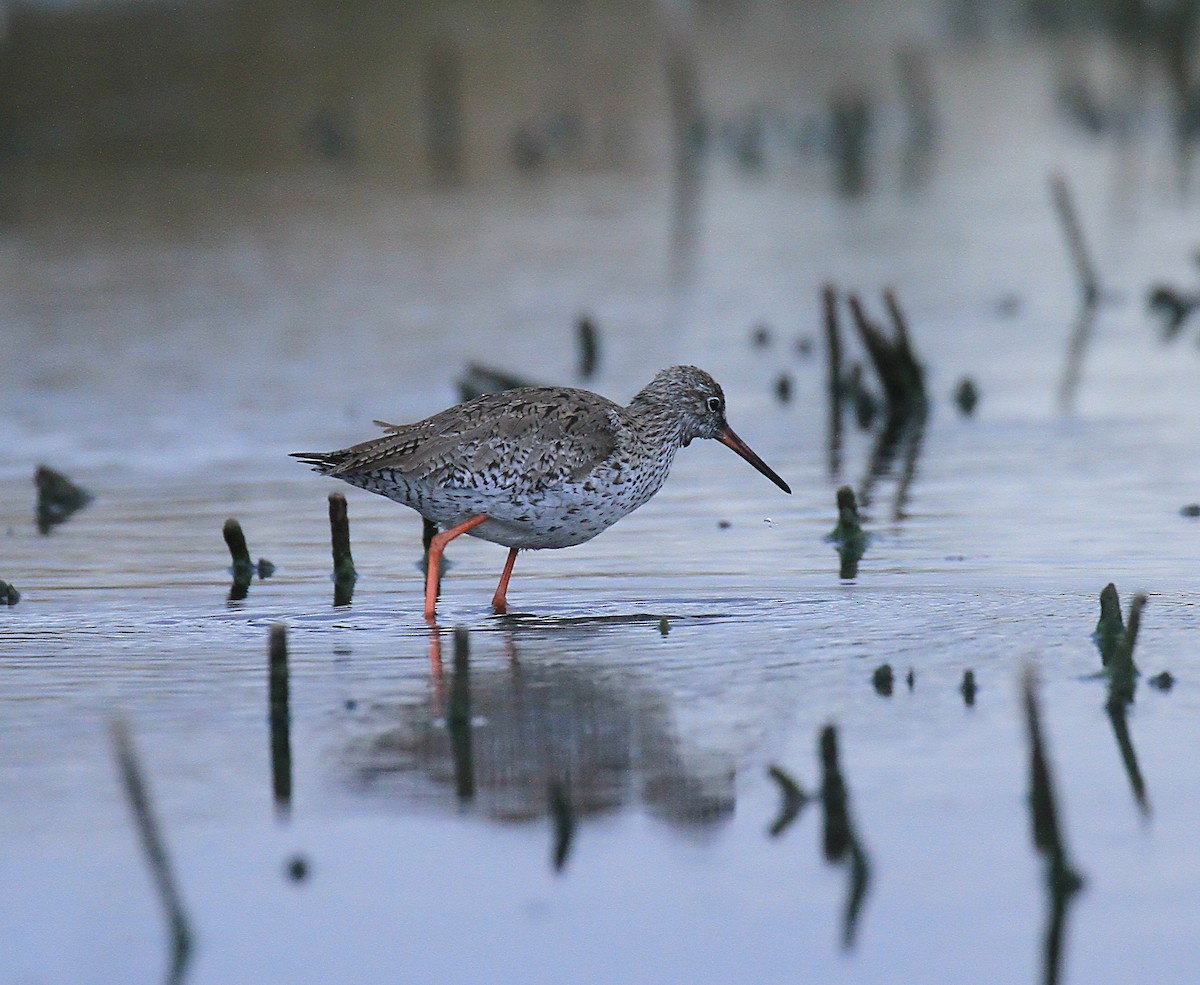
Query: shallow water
652	675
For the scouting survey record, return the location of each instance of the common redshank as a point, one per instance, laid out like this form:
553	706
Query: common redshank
537	467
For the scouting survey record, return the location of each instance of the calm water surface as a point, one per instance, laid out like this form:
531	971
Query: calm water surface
170	362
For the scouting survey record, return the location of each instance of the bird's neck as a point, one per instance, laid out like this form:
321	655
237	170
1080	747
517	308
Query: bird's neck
657	423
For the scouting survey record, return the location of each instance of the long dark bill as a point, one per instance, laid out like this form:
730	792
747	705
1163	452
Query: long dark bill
731	440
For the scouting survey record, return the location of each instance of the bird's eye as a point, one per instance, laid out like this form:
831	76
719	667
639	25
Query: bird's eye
714	405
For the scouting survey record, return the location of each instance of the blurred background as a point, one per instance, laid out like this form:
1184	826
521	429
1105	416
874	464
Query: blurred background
239	182
405	92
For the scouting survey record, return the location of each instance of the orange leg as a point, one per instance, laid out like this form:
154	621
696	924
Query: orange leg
499	601
436	546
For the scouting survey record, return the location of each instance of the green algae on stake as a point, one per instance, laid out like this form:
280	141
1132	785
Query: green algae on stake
243	569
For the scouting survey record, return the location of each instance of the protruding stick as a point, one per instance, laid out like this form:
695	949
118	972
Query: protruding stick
280	716
1110	628
969	688
848	536
833	377
344	575
589	347
562	815
1073	232
243	567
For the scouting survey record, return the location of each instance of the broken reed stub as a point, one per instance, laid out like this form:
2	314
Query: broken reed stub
279	714
243	569
833	345
588	336
478	379
339	536
57	498
848	536
1163	681
902	377
297	868
1172	306
783	388
966	396
866	407
562	817
968	687
1110	629
235	540
1089	282
1122	664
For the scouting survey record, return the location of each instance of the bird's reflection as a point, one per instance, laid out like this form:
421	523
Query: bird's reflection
538	738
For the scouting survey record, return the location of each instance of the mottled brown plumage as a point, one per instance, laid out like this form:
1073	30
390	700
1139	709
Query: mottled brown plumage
538	467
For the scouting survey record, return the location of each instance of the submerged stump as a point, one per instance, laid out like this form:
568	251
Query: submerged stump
58	498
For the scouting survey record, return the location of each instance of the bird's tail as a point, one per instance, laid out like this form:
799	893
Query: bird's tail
321	461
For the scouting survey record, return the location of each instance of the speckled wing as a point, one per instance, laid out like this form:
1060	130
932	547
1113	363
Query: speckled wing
533	439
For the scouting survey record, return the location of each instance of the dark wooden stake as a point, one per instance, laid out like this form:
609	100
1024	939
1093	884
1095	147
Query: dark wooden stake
243	567
833	377
344	575
280	718
589	347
